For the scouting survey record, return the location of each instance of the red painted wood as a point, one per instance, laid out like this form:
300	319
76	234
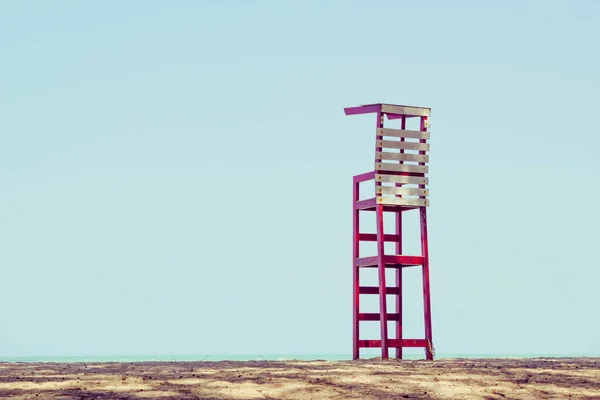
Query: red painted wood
355	273
375	290
383	322
367	176
414	343
367	204
404	260
404	173
394	343
426	289
371	205
390	260
399	270
382	261
375	343
370	108
377	316
372	237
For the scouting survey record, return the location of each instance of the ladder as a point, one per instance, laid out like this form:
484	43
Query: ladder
400	175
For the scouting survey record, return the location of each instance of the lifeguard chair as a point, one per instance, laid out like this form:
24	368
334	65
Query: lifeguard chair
401	184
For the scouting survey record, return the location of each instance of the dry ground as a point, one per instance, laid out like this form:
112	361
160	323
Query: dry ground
502	379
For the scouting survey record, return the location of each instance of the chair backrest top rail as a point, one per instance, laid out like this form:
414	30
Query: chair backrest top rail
391	110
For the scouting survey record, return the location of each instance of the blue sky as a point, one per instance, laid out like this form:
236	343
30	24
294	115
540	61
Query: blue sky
176	176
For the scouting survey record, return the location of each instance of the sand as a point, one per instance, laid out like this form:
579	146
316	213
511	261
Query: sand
560	378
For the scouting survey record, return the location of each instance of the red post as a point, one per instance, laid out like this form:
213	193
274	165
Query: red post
426	291
355	272
382	291
425	253
399	270
381	266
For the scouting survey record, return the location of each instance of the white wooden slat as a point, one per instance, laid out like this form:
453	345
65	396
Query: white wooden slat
395	144
401	190
405	110
409	180
402	201
381	155
419	169
402	133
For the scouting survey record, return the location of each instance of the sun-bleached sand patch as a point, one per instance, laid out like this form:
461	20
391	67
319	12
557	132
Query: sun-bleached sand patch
366	379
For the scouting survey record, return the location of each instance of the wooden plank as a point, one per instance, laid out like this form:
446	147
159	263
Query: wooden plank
390	259
377	316
402	201
414	342
375	290
364	204
395	144
382	155
372	237
419	169
364	177
394	343
415	180
373	343
366	261
402	133
406	110
401	190
397	259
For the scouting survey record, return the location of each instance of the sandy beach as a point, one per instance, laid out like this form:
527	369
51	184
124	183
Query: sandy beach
560	378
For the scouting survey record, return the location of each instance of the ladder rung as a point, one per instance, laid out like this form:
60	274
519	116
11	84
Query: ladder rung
372	237
377	343
394	343
391	260
376	316
414	342
375	290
